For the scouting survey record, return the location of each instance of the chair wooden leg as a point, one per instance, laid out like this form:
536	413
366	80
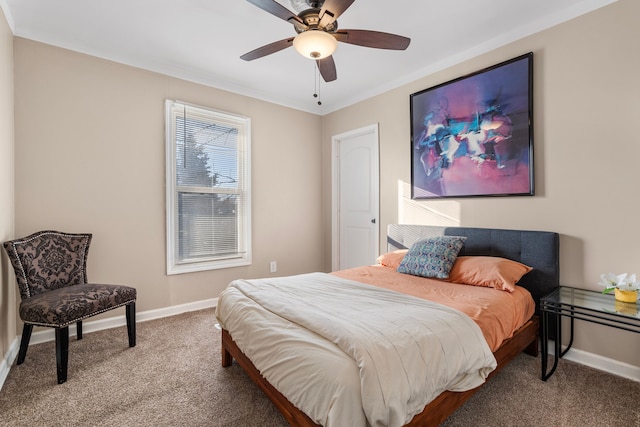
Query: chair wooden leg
24	342
79	329
62	353
131	323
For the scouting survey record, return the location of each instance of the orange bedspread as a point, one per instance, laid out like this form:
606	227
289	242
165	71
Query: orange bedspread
498	313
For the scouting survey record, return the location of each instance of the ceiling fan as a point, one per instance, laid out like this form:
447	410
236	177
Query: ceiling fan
318	34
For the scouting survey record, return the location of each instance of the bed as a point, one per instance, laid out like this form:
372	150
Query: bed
283	348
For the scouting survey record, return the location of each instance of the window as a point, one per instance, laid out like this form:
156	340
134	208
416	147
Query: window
208	195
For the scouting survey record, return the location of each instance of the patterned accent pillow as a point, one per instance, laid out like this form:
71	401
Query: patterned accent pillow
432	257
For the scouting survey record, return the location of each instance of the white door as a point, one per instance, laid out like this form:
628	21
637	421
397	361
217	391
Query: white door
355	198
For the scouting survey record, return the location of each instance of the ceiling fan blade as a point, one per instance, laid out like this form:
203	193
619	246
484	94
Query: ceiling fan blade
375	39
268	49
331	9
327	67
278	10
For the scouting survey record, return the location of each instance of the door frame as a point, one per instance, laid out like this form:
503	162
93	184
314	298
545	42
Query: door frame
335	189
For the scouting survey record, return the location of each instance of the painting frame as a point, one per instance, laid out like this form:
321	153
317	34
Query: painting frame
473	136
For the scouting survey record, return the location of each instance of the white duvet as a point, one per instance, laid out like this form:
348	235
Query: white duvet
347	353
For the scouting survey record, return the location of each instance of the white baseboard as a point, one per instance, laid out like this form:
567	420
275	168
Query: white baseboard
99	325
601	363
5	364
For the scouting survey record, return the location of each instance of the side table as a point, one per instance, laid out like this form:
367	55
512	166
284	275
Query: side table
591	306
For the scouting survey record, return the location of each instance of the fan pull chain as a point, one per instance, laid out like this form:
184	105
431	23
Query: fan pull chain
316	81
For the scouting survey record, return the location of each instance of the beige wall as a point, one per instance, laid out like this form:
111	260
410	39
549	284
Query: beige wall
587	108
90	156
7	282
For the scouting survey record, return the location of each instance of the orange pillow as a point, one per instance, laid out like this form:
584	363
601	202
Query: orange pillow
392	259
488	271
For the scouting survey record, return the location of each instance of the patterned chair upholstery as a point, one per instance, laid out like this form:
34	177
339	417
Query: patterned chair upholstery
51	271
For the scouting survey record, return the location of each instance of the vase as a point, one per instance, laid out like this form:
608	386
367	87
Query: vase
626	296
626	308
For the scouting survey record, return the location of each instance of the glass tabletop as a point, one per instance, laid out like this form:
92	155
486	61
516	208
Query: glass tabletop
591	300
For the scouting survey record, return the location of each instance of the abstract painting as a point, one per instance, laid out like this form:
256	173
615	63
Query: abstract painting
473	136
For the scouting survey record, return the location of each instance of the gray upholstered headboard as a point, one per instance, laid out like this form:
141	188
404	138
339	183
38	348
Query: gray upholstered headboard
537	249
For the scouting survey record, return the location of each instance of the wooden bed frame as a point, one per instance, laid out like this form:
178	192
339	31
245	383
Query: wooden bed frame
537	249
525	339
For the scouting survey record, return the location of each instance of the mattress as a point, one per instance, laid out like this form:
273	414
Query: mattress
498	313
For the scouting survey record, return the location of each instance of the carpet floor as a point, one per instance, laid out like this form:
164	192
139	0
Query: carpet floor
173	377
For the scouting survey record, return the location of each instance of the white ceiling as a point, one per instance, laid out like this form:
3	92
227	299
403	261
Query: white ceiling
202	40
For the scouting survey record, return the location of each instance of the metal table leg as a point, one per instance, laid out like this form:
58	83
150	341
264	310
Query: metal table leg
558	353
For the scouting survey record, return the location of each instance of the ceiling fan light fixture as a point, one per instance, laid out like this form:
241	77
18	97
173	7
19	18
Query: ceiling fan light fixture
315	44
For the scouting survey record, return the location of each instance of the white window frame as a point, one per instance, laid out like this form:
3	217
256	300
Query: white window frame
243	257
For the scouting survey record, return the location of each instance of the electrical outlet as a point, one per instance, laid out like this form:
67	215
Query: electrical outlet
273	266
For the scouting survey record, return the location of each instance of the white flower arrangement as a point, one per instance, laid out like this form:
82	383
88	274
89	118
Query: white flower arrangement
622	282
